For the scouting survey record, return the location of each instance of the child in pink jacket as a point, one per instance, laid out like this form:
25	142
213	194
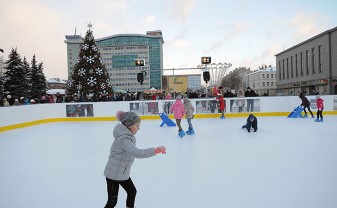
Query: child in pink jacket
178	110
320	108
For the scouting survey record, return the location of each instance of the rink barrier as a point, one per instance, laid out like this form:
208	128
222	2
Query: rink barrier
16	117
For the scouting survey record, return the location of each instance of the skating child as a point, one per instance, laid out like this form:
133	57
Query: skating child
122	155
251	123
221	105
178	110
189	109
320	108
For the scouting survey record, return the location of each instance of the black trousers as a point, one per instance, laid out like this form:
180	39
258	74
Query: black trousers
178	121
113	188
305	112
320	114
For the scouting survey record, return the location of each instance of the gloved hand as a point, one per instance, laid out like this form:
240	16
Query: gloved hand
160	149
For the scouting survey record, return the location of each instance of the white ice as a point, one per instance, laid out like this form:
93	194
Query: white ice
287	163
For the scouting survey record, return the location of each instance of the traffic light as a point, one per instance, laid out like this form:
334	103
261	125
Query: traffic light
139	62
140	78
206	76
205	60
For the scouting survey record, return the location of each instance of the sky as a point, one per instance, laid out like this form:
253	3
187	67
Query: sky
244	33
61	164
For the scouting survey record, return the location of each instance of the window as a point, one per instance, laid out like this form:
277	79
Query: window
291	67
313	60
296	63
272	76
302	73
263	75
307	61
287	68
263	84
267	84
272	83
320	67
284	73
279	69
267	76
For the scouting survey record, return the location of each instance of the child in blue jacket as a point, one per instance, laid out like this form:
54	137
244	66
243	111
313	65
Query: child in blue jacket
251	123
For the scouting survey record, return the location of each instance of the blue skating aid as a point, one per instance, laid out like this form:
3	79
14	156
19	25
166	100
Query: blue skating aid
297	112
166	120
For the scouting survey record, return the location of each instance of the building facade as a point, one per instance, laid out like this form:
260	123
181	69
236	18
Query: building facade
262	81
310	65
119	53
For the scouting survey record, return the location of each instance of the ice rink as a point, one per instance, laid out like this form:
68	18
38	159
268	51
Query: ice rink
287	163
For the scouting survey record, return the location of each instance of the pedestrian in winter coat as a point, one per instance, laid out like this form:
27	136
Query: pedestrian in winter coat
250	102
6	103
251	123
189	109
123	152
178	110
240	102
167	105
229	94
306	104
320	108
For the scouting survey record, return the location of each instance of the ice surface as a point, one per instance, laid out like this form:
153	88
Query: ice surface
287	163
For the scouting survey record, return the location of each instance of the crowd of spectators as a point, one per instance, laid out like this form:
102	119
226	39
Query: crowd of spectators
9	100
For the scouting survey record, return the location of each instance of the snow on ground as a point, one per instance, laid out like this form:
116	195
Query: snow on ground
288	163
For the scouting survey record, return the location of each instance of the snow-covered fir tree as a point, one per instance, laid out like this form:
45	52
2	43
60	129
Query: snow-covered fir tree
15	83
28	76
90	76
38	80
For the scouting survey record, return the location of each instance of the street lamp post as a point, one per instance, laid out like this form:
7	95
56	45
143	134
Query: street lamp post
217	71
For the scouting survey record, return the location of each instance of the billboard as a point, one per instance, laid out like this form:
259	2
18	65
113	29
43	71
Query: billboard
177	83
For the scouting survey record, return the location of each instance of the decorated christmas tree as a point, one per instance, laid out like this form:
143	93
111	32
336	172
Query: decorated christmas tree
89	76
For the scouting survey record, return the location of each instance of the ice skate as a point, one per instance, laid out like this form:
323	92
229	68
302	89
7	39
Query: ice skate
222	117
181	133
305	116
190	132
317	119
321	120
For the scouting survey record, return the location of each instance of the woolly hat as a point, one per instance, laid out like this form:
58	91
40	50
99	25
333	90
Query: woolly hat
127	118
185	96
178	97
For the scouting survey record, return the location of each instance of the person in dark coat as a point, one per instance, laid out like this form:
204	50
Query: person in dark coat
250	102
229	94
251	123
306	104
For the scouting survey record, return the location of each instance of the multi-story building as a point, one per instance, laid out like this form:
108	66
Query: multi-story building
310	65
119	53
263	80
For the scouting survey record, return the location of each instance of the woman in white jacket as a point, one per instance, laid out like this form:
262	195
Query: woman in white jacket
123	152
